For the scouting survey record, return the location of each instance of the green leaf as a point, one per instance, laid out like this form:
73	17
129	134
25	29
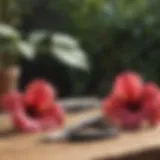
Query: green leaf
26	49
35	37
9	32
67	50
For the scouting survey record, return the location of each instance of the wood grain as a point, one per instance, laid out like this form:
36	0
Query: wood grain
15	146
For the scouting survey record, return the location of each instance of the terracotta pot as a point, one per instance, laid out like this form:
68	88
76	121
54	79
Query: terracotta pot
9	79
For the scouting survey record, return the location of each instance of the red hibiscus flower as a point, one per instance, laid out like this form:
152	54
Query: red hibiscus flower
36	109
132	102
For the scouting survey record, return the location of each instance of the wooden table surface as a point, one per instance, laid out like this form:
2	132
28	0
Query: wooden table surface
28	147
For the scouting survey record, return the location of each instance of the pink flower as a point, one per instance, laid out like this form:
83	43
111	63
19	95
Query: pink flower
36	110
132	102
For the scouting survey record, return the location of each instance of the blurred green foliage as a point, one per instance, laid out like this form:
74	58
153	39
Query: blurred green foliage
10	12
117	35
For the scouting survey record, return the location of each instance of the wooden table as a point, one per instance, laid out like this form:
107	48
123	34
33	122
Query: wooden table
28	147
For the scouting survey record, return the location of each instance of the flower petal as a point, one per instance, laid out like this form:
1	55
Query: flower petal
52	119
24	123
39	93
150	90
132	120
152	109
112	109
58	113
12	101
128	86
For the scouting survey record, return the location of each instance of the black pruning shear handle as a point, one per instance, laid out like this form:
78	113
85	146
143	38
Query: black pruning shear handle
90	129
92	135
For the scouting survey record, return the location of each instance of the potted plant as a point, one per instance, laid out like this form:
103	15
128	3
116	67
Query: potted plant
12	47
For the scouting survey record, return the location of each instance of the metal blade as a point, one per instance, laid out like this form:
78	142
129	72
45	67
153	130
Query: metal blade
78	104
